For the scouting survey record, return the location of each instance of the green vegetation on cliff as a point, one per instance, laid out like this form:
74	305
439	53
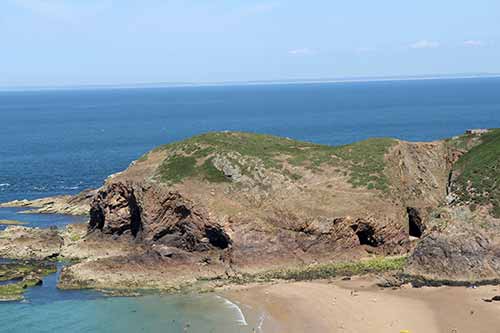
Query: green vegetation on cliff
478	180
194	157
325	271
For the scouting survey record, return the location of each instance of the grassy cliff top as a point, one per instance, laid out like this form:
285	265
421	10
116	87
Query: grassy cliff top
200	156
478	170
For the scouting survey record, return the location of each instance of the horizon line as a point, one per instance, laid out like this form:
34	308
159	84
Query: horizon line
354	79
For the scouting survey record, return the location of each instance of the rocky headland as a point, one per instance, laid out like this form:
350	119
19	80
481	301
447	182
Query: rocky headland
232	207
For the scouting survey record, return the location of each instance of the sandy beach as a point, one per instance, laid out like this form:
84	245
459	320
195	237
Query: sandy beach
359	306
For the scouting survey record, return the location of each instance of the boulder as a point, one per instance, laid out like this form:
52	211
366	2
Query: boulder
463	256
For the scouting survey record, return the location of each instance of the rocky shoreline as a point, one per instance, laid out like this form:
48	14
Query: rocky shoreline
63	204
236	208
358	305
16	276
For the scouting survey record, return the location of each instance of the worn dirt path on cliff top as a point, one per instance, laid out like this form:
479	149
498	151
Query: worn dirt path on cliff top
357	306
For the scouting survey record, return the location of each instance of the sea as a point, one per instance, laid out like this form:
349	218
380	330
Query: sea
64	141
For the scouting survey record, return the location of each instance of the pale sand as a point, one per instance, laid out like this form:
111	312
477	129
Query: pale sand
359	306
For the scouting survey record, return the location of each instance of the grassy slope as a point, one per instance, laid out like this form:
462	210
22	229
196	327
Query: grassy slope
479	173
323	271
193	157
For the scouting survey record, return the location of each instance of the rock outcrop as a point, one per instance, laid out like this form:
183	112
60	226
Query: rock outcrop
461	247
468	256
461	243
30	243
63	204
238	202
154	214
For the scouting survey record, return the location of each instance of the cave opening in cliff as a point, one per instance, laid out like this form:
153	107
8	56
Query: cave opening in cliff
97	218
415	224
217	237
182	212
366	234
135	216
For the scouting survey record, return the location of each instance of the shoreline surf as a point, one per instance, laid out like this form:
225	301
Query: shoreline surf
358	305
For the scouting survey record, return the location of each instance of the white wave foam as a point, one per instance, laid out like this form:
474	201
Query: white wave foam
241	317
262	317
69	187
4	184
39	188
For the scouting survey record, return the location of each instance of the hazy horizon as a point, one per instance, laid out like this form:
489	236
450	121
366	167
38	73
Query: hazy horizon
145	85
104	42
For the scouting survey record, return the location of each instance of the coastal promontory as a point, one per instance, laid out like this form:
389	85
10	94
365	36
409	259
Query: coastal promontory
234	207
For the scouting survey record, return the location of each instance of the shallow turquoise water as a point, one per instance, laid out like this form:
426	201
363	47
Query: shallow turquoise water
196	313
47	309
57	142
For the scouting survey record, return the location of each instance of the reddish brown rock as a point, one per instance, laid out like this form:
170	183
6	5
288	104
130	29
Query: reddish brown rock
153	214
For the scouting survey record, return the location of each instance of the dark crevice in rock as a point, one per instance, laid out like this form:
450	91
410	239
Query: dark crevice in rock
97	218
366	234
182	212
448	185
415	225
53	255
135	216
217	237
159	235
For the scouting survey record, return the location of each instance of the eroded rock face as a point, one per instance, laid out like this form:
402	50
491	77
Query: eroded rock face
458	245
366	234
154	214
114	210
467	256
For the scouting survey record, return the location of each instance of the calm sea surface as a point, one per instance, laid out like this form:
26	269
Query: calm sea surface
55	142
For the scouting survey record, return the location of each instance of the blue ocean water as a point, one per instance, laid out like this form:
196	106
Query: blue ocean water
38	220
64	141
58	142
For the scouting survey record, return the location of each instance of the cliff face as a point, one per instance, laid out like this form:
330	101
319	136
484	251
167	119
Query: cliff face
153	214
221	204
463	241
263	201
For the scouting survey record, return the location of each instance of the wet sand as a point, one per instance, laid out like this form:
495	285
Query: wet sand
360	306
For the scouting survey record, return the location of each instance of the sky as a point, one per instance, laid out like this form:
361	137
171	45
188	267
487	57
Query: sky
81	42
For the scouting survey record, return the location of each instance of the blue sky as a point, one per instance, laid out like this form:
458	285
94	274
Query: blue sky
63	42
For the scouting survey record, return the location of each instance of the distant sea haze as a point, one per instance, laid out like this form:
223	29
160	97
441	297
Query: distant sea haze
254	82
55	142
